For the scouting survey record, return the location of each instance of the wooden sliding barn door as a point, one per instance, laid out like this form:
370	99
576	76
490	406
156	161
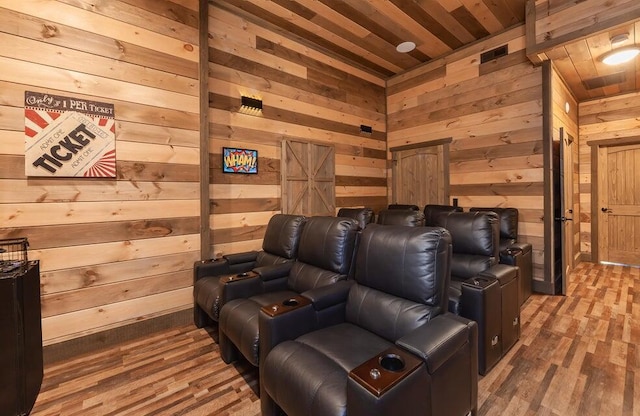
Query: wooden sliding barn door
308	178
619	204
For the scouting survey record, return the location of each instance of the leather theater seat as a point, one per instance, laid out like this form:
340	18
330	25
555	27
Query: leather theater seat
512	252
481	289
325	256
409	217
364	216
279	246
404	206
392	351
432	210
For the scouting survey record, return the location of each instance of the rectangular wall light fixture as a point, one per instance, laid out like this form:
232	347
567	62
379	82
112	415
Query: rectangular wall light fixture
251	105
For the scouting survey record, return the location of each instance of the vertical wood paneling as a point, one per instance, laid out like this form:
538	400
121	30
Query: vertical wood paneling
611	119
307	96
493	113
112	251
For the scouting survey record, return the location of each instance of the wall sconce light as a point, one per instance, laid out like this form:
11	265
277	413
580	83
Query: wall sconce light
620	55
250	105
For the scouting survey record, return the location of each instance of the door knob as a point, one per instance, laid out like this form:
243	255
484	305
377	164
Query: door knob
604	209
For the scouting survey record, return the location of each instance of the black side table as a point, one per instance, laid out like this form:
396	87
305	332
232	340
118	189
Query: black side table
20	339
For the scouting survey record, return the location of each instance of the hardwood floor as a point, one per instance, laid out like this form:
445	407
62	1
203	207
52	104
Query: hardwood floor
578	355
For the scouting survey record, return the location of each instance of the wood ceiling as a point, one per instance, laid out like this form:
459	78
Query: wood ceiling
366	32
580	64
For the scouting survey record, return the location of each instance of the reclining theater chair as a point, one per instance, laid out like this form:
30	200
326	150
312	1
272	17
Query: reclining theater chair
280	245
364	216
409	217
481	289
324	257
513	252
432	210
392	349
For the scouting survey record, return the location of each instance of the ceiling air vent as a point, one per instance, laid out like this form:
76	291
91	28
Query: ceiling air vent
604	81
494	53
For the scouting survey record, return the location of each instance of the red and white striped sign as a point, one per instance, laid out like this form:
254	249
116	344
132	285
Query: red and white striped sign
68	137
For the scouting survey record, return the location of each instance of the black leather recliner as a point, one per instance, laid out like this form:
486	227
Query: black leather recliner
513	252
432	210
404	206
325	255
409	217
364	216
279	246
393	350
481	289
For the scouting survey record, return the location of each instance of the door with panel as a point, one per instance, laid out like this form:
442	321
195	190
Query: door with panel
619	203
419	176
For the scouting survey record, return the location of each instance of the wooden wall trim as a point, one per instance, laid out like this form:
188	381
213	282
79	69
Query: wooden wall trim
594	204
618	141
530	32
203	67
547	137
430	143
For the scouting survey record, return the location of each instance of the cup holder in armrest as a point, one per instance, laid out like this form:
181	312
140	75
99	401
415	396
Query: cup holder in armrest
291	302
391	362
238	276
286	305
385	370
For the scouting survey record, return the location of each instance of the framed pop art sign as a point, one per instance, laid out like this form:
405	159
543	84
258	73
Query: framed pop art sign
68	137
239	160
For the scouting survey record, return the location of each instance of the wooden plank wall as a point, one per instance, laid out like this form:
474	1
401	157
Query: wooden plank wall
115	251
612	118
555	22
560	96
307	95
493	112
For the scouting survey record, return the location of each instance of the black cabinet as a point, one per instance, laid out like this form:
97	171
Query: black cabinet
20	340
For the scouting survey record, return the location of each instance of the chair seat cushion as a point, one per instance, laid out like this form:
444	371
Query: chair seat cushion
239	321
320	363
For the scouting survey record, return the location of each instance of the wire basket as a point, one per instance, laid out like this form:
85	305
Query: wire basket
13	254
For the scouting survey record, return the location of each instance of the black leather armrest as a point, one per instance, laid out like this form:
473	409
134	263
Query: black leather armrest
515	248
238	258
241	288
329	295
504	273
274	329
274	271
211	267
438	340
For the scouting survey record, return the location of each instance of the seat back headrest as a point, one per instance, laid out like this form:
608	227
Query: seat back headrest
408	262
431	210
328	243
508	221
282	237
407	217
404	206
472	232
364	216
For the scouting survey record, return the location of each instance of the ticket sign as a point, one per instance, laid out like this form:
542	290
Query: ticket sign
68	137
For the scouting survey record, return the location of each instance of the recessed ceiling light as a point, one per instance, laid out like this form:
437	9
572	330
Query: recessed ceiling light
405	47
